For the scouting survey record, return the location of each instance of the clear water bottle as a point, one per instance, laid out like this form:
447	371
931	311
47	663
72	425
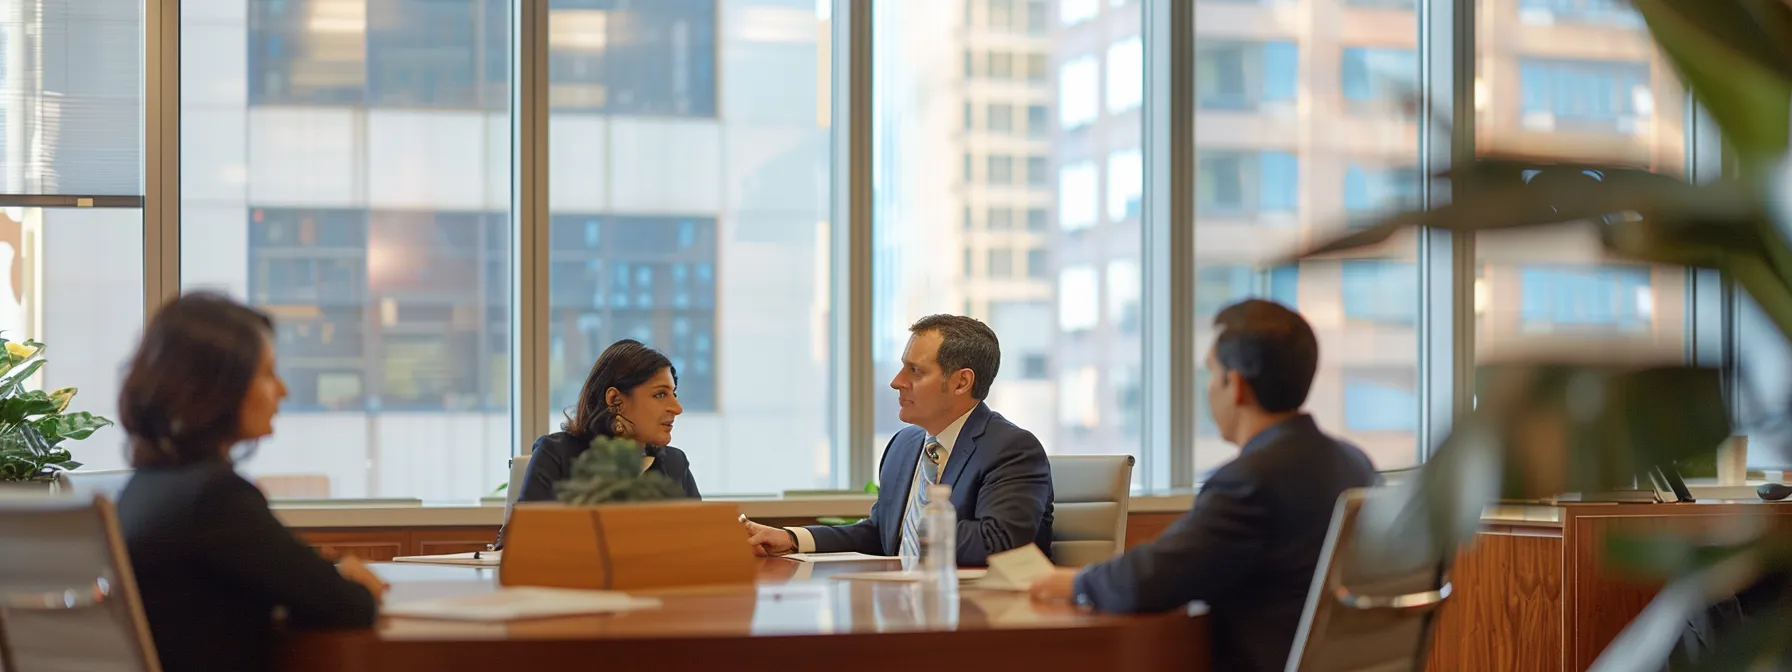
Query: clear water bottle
938	533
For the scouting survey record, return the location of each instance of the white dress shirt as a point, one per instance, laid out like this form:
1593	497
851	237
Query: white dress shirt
948	437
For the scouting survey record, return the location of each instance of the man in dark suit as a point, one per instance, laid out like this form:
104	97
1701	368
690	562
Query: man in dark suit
1000	478
1249	545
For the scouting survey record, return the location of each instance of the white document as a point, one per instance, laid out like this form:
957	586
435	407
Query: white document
1016	569
964	576
509	604
848	556
474	559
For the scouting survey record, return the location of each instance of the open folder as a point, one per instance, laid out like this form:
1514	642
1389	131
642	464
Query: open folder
522	602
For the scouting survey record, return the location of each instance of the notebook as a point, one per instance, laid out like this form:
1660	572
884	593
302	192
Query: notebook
474	559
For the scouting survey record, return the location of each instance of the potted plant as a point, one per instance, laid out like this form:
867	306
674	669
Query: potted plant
33	423
617	526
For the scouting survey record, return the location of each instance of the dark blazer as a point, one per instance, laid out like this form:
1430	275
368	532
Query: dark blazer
1001	487
212	563
1248	547
550	462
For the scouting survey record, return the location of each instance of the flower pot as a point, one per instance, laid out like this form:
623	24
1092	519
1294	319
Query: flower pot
632	546
27	487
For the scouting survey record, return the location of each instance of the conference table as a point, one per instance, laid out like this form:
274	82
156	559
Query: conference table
794	616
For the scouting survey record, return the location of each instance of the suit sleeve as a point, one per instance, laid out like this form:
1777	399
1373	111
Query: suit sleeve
546	467
247	546
863	536
1212	546
1010	505
690	485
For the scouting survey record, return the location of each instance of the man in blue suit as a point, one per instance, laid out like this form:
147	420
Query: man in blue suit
1000	478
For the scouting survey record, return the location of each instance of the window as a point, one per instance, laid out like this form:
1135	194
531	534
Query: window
1037	124
1039	264
429	53
1001	262
1037	221
1381	401
1001	169
1547	12
1038	68
1077	92
1001	15
1243	75
1039	172
1371	74
1000	118
1218	286
638	58
1608	96
1126	184
1384	4
1234	182
1123	295
1564	297
1077	201
1126	75
1072	12
1001	219
1039	17
970	118
1375	189
1381	291
1001	65
1079	303
1284	286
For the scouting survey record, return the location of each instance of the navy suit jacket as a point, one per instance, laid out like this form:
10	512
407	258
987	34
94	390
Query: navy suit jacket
1001	487
1248	547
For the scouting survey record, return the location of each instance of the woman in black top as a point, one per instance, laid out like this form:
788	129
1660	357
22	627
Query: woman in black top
631	392
212	562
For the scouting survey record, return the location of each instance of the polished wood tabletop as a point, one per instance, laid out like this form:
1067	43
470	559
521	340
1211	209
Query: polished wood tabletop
795	616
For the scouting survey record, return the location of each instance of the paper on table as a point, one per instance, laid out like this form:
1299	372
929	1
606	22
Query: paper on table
506	604
847	556
475	559
1016	569
964	575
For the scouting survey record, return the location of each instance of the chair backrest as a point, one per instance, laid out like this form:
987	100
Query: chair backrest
519	469
85	483
68	600
1089	501
1366	619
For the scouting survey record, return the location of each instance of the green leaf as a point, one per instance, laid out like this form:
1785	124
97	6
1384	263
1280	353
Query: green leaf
610	471
15	409
75	426
1739	71
17	377
69	465
871	487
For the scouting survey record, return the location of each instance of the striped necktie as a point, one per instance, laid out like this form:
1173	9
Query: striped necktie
917	500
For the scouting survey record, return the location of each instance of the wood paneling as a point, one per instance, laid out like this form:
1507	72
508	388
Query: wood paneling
382	544
438	541
1143	527
1504	612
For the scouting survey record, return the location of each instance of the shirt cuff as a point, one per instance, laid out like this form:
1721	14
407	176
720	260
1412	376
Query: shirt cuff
805	542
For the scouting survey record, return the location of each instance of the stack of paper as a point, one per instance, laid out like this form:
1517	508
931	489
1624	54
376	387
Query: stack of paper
474	559
509	604
964	575
835	557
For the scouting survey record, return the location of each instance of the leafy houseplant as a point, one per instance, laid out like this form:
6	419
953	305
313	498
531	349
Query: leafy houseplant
33	424
610	472
1588	421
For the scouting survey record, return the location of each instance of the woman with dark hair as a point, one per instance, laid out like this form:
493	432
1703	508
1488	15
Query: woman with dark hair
212	562
631	393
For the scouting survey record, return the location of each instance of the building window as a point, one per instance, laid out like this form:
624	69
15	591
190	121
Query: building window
970	64
1038	124
1034	367
1381	291
430	53
1235	183
1598	96
1001	219
1384	4
1232	75
1072	12
1126	75
1037	220
1038	172
638	58
1380	401
1001	65
1599	297
1379	189
1038	68
1611	12
1124	289
1039	264
1079	300
1001	262
1000	118
1077	196
1001	15
1284	285
1001	169
1218	286
1077	92
1126	185
1378	75
969	223
1039	17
